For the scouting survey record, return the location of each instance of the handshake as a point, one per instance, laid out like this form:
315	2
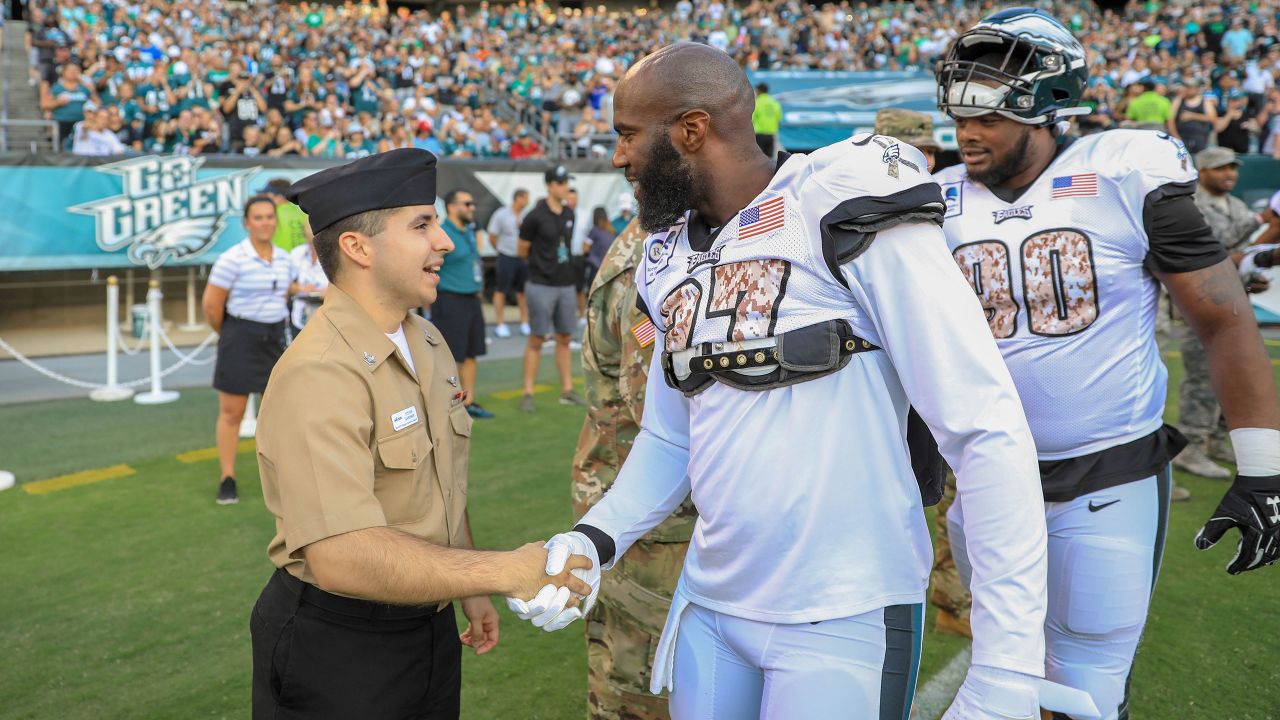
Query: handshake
571	559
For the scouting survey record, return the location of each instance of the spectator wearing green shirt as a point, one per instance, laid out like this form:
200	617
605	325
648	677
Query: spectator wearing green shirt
357	146
1150	109
291	222
65	100
766	119
457	311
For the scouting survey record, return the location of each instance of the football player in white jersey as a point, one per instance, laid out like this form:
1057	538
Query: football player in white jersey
1064	243
796	333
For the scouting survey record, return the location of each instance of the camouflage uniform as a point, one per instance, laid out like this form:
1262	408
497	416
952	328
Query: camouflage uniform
1200	417
624	626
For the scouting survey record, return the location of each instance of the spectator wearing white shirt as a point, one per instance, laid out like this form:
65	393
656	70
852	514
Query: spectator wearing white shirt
311	283
245	303
93	138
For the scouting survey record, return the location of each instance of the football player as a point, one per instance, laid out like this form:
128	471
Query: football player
803	305
1065	243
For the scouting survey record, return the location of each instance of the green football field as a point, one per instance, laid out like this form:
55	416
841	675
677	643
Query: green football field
129	597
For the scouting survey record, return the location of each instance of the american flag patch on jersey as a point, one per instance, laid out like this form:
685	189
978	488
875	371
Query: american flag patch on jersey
759	219
645	332
1085	185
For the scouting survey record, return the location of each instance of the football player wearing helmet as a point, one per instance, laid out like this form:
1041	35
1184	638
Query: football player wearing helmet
1065	243
795	341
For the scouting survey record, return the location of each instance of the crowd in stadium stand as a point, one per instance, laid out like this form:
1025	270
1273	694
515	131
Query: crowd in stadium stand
502	80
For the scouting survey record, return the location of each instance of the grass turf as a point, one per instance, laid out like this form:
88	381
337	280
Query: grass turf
130	597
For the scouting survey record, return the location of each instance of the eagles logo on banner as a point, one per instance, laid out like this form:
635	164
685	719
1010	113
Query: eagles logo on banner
165	213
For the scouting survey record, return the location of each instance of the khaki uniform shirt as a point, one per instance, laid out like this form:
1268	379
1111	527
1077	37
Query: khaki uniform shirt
349	438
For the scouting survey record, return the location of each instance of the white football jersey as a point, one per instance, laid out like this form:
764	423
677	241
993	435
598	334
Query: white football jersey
1060	274
808	508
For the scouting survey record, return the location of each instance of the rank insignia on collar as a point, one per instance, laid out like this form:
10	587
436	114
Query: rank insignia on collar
370	359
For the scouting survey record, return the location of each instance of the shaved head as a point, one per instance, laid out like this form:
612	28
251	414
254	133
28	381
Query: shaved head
692	76
680	113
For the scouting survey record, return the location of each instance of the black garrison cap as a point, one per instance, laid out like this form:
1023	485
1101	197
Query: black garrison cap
393	179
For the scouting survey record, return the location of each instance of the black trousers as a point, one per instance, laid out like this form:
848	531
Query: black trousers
317	655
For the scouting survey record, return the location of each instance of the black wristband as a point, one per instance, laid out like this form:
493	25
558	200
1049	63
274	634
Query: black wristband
604	544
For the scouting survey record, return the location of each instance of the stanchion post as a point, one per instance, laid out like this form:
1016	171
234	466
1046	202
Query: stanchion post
249	424
157	395
112	391
192	324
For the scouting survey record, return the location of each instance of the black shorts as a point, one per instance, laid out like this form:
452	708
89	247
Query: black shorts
580	282
513	273
461	322
247	352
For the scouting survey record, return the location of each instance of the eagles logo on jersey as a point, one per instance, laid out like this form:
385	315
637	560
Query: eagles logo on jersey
1063	262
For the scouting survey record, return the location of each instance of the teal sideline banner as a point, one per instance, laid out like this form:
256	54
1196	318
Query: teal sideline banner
149	211
70	213
820	108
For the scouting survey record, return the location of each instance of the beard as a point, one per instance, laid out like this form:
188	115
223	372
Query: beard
1007	167
667	186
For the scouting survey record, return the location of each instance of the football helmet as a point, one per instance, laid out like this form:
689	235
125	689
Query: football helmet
1021	63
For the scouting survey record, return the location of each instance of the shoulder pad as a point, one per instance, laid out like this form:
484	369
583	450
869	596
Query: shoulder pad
879	182
1155	158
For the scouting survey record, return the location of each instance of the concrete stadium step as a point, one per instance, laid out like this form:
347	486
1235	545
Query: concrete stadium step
23	99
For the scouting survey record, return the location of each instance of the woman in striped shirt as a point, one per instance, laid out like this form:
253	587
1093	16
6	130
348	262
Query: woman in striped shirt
245	301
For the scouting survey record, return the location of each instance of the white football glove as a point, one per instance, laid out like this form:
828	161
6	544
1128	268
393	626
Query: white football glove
990	693
547	609
995	694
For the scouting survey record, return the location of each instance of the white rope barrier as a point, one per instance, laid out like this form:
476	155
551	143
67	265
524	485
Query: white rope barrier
113	390
123	343
59	377
52	375
187	358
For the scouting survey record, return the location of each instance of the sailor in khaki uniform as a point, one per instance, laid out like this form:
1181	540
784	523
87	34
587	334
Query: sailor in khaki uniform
363	442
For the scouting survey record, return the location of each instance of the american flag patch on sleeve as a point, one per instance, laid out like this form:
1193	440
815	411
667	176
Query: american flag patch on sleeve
645	333
1084	185
759	219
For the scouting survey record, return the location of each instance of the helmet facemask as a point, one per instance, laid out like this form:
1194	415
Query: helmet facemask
988	70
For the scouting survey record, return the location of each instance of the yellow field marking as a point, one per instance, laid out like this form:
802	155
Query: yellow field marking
86	477
203	454
519	392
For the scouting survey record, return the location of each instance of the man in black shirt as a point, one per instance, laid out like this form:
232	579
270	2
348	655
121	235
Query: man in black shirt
241	104
545	237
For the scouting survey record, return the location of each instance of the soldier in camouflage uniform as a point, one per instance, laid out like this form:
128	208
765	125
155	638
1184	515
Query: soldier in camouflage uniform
1232	222
947	592
624	626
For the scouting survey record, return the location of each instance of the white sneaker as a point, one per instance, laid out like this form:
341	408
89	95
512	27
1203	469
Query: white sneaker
501	330
524	329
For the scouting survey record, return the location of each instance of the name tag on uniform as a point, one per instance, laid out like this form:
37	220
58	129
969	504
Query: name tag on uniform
404	418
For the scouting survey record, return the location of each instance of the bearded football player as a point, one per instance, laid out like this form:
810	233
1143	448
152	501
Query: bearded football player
806	306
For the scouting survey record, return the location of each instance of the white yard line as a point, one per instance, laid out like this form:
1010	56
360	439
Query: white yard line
933	698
